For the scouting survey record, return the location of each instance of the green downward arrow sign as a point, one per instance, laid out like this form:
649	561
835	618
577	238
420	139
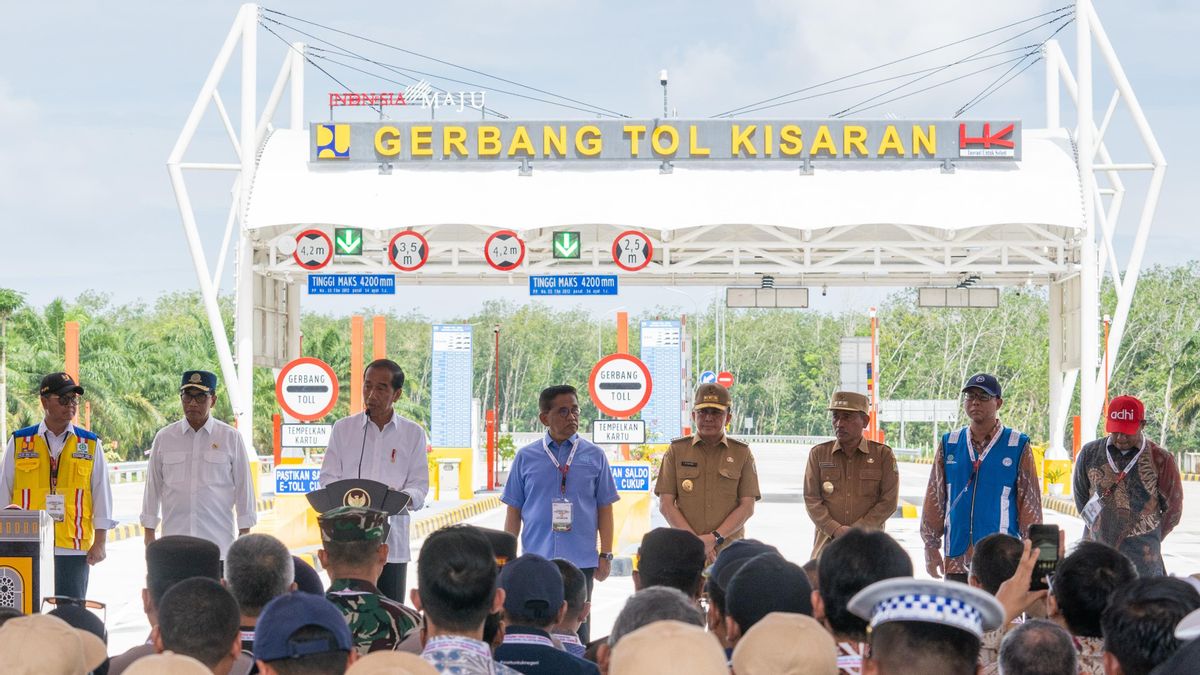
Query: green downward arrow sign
348	241
566	245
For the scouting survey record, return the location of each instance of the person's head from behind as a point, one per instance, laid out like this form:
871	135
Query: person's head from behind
1139	623
670	557
728	562
533	592
668	646
766	583
1038	647
849	564
172	559
786	643
302	634
199	618
656	603
80	618
456	582
258	568
7	613
1083	584
924	626
574	594
353	542
995	561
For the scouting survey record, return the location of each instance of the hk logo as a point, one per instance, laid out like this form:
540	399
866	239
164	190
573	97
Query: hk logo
333	141
1121	415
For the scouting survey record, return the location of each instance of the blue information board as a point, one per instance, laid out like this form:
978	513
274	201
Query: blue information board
296	480
631	477
352	284
662	356
573	284
450	419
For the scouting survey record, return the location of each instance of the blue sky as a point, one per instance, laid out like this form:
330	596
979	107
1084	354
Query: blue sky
96	93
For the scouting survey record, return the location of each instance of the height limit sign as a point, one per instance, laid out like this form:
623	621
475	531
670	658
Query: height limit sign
620	385
632	250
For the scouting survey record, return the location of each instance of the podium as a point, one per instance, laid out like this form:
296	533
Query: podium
26	559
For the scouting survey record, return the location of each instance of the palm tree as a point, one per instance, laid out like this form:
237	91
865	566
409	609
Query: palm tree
10	301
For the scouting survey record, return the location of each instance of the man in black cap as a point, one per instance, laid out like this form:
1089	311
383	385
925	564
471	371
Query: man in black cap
169	560
728	562
58	467
983	481
199	472
533	604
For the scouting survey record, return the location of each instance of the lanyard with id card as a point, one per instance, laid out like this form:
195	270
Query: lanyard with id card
561	508
56	504
1091	510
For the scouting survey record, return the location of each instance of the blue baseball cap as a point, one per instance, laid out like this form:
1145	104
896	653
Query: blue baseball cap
199	379
741	550
290	612
533	587
984	382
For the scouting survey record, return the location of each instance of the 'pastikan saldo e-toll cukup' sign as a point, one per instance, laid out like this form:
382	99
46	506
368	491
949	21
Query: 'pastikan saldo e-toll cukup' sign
701	140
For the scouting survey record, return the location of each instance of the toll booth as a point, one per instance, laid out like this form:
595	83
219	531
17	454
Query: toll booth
26	559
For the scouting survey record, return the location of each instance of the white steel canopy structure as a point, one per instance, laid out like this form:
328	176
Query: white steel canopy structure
1047	218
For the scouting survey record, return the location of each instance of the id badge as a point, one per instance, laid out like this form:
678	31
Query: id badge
56	506
1091	510
560	515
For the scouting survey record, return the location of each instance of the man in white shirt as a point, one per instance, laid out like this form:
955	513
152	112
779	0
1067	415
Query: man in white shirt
379	445
199	472
59	468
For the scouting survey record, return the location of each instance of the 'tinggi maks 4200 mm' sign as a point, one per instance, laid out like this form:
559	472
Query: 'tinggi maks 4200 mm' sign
706	140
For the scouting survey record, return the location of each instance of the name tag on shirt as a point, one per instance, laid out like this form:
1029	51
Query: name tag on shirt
560	515
1091	510
690	464
56	506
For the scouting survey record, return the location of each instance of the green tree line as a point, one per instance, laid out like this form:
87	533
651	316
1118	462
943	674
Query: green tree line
786	362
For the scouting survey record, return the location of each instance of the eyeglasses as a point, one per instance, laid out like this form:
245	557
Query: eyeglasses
710	412
568	412
67	401
195	397
978	398
67	601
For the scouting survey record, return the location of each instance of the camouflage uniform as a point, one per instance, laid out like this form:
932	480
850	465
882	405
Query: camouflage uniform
376	622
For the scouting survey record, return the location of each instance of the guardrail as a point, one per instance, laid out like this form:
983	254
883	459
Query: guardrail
135	472
523	438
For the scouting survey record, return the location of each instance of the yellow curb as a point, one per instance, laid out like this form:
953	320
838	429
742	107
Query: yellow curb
1190	476
1064	506
419	529
918	460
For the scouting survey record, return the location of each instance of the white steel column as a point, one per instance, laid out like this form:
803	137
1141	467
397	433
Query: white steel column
1051	53
244	309
297	77
1089	295
1059	399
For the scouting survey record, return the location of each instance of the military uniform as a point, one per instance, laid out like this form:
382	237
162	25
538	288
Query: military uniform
856	487
377	623
707	478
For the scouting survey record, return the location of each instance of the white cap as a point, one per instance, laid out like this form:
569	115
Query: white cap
946	602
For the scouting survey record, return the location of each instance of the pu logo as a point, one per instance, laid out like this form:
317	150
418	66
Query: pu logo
1123	415
333	141
979	379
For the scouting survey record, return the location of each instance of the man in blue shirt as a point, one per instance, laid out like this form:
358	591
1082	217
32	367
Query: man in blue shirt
561	491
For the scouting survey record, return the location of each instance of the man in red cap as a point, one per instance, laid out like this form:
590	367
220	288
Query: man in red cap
1128	489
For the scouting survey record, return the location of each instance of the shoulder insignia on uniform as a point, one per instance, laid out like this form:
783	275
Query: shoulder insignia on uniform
739	441
681	438
84	433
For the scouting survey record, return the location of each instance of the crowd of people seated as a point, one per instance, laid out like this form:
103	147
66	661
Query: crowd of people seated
479	609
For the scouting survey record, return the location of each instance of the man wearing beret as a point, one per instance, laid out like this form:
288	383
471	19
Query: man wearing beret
354	551
199	472
983	481
850	481
1128	489
707	483
57	467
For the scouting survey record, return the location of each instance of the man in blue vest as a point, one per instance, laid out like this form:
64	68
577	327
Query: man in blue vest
983	481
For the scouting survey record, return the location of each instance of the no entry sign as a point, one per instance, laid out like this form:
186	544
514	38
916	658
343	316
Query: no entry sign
620	385
306	389
725	379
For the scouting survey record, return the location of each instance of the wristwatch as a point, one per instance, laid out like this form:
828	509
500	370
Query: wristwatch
606	556
718	538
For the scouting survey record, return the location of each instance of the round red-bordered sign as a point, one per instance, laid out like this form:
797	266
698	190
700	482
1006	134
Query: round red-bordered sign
620	385
313	240
306	389
418	251
725	379
632	250
510	250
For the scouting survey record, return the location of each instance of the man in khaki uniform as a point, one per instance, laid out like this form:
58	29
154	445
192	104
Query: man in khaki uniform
850	482
707	483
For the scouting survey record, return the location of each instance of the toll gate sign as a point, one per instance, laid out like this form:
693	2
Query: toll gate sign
620	385
306	389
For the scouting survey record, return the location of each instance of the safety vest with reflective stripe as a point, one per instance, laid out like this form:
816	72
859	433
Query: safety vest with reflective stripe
987	504
31	481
